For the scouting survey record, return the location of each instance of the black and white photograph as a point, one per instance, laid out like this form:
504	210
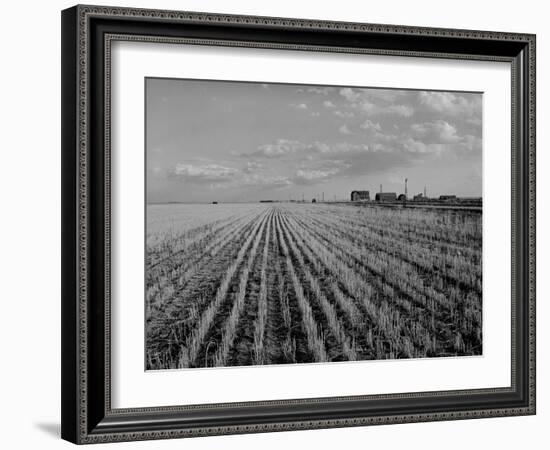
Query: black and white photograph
277	219
292	223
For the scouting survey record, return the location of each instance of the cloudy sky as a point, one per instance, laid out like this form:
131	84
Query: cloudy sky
231	141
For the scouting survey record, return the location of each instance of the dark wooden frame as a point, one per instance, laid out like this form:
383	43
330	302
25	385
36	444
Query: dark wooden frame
87	32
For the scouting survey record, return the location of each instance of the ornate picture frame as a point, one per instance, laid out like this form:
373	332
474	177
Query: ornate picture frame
88	33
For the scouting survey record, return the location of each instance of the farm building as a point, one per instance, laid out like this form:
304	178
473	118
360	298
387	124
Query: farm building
447	198
420	198
357	196
386	197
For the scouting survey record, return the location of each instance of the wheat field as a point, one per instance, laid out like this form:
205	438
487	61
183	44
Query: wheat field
279	283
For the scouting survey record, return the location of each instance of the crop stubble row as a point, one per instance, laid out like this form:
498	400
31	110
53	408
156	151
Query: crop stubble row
291	283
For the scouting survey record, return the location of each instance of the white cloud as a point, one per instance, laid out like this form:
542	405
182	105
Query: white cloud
204	172
399	110
315	114
373	109
280	148
252	166
368	107
344	129
451	103
413	146
471	144
387	95
343	148
436	131
475	121
319	147
344	114
328	104
320	90
371	126
309	176
215	176
440	137
349	94
346	147
374	101
264	181
300	106
286	147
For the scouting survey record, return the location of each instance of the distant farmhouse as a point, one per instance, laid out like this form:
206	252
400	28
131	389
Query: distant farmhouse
420	198
386	197
358	196
447	198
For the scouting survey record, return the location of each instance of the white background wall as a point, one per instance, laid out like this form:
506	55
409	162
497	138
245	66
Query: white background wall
30	224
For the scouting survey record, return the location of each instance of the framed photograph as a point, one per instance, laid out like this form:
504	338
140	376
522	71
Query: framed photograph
278	224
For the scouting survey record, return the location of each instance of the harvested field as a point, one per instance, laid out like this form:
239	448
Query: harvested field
279	283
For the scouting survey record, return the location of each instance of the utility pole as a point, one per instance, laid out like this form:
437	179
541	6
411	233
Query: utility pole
425	191
406	187
380	188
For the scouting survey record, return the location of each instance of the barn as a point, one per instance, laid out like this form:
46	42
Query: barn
358	196
386	197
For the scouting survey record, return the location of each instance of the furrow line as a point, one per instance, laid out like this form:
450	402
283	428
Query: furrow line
259	330
391	331
435	273
369	262
345	303
315	341
336	329
230	327
436	312
189	354
420	222
172	286
189	240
